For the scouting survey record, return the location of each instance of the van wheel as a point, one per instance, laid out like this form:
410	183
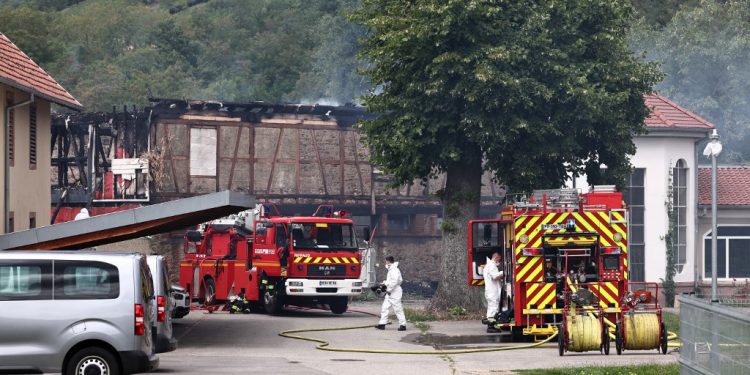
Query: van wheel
338	305
209	292
92	361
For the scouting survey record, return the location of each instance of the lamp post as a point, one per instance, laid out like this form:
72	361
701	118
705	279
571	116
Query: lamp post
712	150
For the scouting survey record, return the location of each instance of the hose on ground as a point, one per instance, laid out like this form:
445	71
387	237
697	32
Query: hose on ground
325	345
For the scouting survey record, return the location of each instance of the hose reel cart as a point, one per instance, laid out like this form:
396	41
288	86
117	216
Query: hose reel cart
582	328
640	325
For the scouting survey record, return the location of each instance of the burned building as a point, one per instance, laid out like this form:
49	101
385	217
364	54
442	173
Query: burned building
297	156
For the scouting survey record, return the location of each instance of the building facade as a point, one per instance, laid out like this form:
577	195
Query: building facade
26	95
663	184
733	230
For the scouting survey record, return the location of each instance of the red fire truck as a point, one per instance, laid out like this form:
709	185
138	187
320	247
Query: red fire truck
274	260
549	242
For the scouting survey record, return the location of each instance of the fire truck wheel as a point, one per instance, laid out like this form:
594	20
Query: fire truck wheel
338	305
663	339
209	291
618	339
92	360
272	302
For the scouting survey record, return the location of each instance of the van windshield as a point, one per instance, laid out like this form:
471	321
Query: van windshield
323	236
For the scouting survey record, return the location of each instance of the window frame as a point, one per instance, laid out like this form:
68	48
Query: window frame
33	136
680	174
59	286
10	101
637	250
727	251
46	285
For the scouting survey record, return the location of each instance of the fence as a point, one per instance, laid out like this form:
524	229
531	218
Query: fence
715	336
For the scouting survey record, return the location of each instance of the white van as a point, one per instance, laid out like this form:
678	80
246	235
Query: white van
75	313
162	315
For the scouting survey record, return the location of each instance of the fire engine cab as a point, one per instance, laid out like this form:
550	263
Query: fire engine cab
274	260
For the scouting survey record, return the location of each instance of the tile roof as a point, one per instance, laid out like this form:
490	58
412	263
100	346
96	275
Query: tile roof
665	114
733	186
19	71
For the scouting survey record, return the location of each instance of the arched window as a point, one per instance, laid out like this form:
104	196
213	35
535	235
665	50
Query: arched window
679	204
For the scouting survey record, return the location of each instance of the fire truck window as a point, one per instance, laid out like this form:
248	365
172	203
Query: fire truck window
611	263
486	235
281	235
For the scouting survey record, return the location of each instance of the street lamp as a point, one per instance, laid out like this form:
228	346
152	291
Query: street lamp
712	150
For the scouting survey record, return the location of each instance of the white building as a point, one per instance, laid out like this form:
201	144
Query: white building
733	234
665	165
665	168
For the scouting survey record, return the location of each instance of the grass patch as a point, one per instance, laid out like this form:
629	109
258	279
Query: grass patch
422	326
671	321
671	369
418	315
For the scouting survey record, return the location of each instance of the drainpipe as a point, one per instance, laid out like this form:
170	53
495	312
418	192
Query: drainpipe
6	177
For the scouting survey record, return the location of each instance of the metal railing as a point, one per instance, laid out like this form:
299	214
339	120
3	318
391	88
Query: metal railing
715	336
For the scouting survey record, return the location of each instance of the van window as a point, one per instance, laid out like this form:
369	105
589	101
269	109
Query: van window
25	280
86	280
165	279
147	281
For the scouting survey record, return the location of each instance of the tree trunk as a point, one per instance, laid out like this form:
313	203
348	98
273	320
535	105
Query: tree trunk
460	204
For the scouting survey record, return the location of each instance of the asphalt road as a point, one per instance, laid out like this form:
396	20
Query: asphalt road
221	343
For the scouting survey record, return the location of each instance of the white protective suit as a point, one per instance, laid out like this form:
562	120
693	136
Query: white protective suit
393	296
493	284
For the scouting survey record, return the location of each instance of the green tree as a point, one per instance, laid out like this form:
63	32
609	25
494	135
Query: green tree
33	32
704	52
530	90
659	13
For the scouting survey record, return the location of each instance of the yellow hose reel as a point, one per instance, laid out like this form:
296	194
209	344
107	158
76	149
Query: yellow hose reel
583	333
641	331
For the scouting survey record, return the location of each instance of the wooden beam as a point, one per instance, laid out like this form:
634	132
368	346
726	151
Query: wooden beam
320	163
273	163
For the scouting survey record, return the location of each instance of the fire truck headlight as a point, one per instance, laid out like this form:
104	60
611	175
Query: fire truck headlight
299	267
354	268
357	283
295	283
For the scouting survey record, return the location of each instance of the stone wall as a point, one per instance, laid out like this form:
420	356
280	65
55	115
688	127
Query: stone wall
419	261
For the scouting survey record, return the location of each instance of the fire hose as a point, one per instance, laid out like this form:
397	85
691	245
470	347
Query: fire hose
325	345
639	323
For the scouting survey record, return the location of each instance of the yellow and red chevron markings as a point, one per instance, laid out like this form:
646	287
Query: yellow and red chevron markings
477	282
590	222
530	271
540	296
607	293
326	260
